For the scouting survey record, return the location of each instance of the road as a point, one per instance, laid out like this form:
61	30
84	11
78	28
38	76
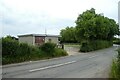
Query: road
94	64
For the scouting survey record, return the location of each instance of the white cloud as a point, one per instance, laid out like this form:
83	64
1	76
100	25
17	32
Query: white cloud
33	16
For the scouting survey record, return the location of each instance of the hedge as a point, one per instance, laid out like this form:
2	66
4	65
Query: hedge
9	47
15	52
93	45
116	41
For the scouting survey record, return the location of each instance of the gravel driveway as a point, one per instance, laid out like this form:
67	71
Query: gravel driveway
72	49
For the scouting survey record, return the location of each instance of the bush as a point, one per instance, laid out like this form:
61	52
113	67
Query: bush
59	52
23	49
27	51
48	48
13	51
116	40
87	46
9	46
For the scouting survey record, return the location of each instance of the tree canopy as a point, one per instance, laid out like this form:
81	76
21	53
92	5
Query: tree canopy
92	26
68	34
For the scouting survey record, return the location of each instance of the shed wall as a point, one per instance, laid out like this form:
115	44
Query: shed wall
52	39
27	39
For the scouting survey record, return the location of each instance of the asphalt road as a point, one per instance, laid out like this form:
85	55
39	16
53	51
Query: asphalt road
85	65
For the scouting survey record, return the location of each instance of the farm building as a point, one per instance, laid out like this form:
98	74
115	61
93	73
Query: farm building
38	39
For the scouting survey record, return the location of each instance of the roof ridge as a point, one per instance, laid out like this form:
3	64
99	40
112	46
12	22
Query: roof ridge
38	35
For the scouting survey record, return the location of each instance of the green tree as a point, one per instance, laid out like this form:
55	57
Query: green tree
68	35
92	26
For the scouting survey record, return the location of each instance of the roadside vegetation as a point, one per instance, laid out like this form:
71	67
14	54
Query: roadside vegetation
68	35
72	45
116	41
93	45
15	52
115	68
0	51
93	31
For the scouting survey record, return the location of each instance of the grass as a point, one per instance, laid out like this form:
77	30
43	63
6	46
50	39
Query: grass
10	60
33	57
72	45
115	73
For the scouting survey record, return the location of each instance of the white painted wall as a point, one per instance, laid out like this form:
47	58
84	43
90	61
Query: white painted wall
27	39
31	39
53	39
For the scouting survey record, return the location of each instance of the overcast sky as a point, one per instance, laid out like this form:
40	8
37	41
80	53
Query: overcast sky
34	16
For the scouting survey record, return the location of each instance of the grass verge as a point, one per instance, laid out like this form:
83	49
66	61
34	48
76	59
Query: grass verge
115	73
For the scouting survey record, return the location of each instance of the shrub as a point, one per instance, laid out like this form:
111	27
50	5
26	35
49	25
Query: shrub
9	46
27	51
116	42
48	48
87	46
13	51
23	49
59	52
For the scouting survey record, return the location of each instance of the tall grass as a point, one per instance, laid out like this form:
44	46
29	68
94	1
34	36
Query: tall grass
115	68
115	73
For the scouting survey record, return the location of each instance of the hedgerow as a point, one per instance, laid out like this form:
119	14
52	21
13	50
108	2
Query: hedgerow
14	52
93	45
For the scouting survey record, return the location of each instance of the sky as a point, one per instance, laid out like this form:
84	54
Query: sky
18	17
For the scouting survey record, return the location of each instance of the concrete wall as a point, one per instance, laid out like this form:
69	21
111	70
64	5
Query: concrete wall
31	39
27	39
52	39
119	13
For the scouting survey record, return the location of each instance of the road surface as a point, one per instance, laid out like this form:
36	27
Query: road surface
94	64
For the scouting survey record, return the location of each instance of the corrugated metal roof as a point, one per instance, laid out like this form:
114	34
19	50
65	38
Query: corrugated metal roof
44	35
